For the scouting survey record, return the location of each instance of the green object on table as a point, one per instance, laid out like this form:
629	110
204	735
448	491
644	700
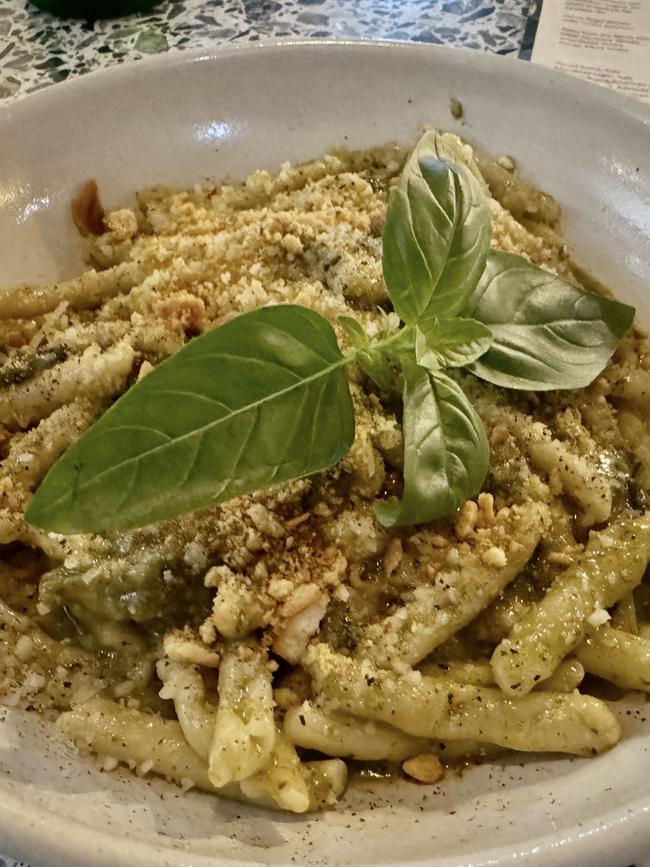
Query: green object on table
93	9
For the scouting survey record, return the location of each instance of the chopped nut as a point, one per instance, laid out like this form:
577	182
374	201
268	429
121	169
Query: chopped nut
292	523
494	556
301	616
145	368
559	558
122	224
184	311
292	243
217	574
392	556
186	647
286	698
598	617
486	510
500	435
424	768
265	521
108	763
24	648
301	598
466	520
208	632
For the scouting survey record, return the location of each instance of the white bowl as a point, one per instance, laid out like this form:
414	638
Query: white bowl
179	119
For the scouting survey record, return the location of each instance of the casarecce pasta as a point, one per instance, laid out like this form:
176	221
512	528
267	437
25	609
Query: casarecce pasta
251	649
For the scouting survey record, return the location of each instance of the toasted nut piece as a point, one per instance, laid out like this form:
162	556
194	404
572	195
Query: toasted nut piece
466	520
286	698
185	646
425	768
392	556
494	556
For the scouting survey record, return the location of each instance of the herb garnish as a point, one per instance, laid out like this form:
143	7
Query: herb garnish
264	398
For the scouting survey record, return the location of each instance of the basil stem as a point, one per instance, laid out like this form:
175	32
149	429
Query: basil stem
370	356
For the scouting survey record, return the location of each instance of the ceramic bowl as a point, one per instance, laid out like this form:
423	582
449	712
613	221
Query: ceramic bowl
186	117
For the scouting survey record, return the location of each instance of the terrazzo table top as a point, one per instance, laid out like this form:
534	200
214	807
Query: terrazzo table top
37	49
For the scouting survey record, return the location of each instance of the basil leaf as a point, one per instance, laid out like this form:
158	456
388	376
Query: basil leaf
436	234
450	342
547	333
260	400
354	329
446	453
368	355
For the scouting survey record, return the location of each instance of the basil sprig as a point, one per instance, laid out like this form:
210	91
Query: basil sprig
264	398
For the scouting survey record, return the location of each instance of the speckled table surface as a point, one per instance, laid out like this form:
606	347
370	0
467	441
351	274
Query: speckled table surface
37	49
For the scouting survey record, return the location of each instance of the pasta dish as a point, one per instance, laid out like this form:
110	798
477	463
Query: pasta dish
451	569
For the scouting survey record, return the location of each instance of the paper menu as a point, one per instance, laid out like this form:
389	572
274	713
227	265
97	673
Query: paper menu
604	41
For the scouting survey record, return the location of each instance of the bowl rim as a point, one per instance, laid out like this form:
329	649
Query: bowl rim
64	843
628	105
622	833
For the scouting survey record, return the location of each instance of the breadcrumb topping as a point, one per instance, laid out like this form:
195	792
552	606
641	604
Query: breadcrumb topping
307	562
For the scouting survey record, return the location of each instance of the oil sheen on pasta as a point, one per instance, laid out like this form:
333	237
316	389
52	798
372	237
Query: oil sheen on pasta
251	649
